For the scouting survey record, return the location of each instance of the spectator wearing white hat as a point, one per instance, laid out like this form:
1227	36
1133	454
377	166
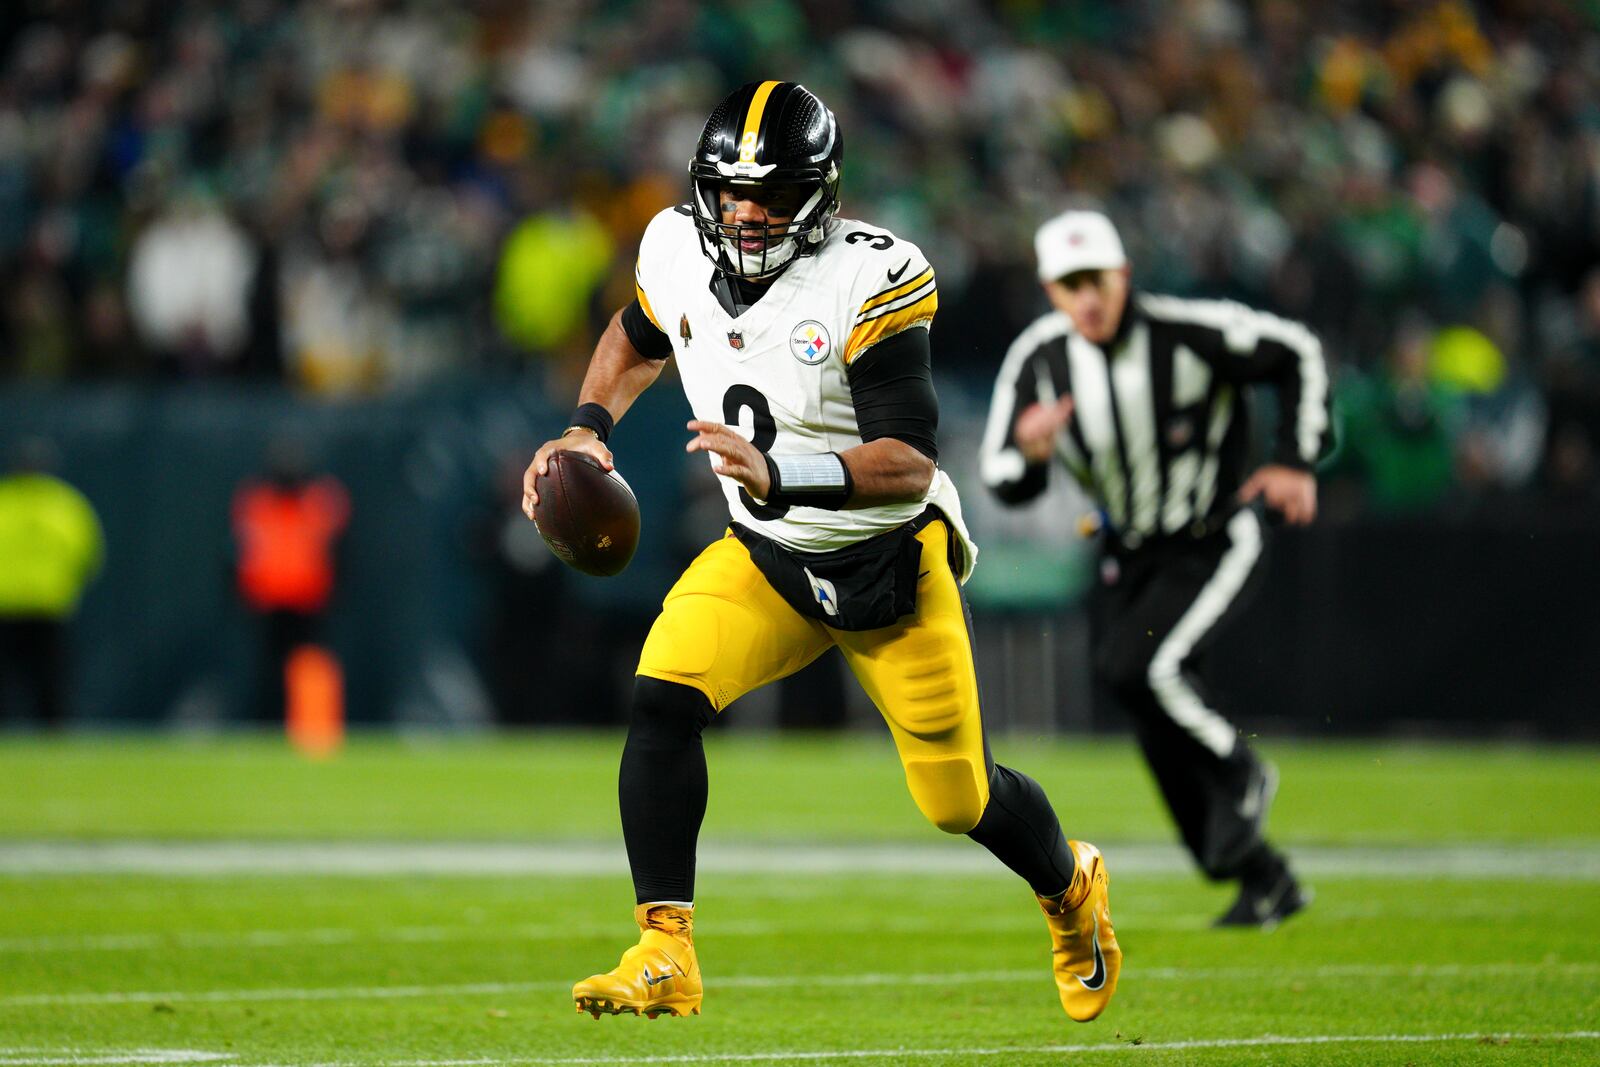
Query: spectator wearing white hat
1143	399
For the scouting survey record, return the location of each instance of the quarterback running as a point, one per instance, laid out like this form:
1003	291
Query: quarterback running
802	342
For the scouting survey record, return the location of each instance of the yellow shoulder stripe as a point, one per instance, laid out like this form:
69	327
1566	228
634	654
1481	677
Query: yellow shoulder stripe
885	326
644	301
897	291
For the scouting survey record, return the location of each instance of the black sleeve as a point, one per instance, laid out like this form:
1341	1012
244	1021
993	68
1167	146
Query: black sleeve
1255	346
892	387
647	338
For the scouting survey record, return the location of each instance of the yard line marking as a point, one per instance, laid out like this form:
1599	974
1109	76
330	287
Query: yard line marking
1578	862
783	981
10	1057
1264	1041
817	1056
70	1058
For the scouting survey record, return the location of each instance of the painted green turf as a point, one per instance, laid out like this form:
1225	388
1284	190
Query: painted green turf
210	963
563	786
1372	958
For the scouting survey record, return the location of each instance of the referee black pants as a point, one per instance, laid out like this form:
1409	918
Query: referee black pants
1153	615
33	668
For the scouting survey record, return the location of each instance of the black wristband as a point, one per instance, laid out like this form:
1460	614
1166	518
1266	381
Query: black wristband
593	417
812	482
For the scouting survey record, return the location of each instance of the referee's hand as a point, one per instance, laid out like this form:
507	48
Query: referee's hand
1286	490
1037	426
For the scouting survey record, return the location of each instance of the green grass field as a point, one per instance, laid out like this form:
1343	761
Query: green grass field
430	903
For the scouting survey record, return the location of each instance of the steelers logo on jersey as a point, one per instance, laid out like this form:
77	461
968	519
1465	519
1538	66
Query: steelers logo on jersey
810	343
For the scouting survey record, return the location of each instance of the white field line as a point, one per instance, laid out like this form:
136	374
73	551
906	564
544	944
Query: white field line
1577	862
820	1056
10	1056
1331	972
1127	918
1264	1041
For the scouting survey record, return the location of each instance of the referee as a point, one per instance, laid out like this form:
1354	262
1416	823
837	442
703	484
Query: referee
1142	398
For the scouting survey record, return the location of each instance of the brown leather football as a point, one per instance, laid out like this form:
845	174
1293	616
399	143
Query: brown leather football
586	514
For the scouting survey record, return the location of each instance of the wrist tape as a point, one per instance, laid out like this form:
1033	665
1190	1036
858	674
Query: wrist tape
816	480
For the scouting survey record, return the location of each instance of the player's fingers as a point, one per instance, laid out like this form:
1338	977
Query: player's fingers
541	458
1250	489
530	495
709	442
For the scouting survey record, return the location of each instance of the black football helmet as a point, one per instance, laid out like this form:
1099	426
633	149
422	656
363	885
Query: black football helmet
779	139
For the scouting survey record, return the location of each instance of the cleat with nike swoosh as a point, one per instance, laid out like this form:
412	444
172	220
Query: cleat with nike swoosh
658	976
1084	950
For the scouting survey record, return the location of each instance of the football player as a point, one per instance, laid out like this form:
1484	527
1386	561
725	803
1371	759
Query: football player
802	342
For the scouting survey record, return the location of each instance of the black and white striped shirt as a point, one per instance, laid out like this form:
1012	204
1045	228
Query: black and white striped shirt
1160	427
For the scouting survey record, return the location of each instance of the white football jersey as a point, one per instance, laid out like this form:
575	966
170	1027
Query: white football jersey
777	373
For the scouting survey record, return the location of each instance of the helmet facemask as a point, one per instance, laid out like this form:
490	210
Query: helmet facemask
756	250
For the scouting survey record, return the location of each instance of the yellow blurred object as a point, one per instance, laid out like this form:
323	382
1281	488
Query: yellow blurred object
550	267
1342	77
50	546
1462	358
373	99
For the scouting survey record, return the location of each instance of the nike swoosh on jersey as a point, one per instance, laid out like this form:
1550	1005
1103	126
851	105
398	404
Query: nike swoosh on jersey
896	275
1098	977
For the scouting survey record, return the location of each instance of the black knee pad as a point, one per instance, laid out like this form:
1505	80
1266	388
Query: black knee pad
667	714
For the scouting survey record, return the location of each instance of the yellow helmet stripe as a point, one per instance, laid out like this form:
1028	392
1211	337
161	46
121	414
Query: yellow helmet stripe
752	122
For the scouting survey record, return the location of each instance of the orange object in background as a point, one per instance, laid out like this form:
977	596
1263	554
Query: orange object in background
314	684
286	533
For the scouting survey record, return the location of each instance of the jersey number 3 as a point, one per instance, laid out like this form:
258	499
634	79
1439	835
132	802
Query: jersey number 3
764	435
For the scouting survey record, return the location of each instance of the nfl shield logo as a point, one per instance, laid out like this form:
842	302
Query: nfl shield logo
735	339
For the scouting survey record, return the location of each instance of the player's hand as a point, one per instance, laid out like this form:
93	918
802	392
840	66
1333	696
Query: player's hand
1286	490
577	441
1037	427
732	456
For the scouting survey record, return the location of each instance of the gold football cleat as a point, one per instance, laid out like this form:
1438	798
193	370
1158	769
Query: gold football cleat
659	975
1084	953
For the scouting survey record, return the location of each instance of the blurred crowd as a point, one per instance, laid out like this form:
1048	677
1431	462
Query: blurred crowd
367	195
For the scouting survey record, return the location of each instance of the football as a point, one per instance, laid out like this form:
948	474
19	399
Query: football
586	514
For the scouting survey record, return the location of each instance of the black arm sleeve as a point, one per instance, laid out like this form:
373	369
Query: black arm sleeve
647	338
892	387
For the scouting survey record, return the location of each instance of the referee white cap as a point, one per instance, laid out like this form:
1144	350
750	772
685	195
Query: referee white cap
1077	240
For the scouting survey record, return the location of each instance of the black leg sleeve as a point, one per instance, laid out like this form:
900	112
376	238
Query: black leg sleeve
1020	827
662	787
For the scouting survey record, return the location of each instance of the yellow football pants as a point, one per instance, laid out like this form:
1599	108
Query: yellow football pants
725	631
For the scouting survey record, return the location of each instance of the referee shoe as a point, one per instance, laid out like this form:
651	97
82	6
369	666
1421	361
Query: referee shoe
1268	894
